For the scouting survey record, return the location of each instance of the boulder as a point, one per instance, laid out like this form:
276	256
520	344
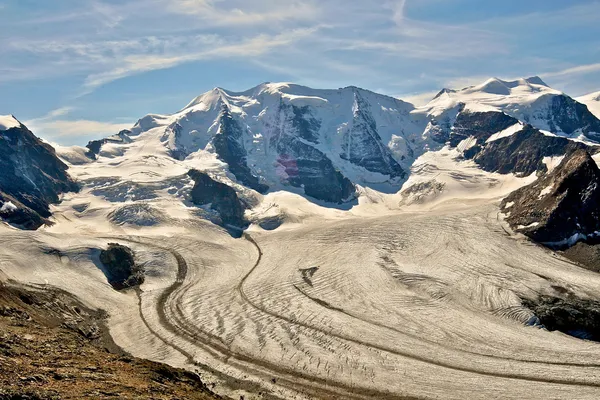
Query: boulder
120	267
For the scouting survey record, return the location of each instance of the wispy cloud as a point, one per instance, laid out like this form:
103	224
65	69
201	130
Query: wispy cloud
235	13
207	47
402	46
573	71
54	127
419	99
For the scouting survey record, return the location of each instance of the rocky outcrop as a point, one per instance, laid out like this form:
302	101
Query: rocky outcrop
571	315
585	254
363	146
571	117
95	146
560	207
120	267
523	152
52	347
301	164
219	197
32	177
479	125
308	168
228	144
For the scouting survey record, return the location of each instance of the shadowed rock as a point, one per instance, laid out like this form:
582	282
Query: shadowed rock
95	146
560	207
573	316
228	144
523	153
31	178
480	125
120	268
222	198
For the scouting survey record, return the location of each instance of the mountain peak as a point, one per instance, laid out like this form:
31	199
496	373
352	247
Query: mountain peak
536	80
7	122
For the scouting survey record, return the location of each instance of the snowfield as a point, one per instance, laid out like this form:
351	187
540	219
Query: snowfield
592	101
372	302
360	307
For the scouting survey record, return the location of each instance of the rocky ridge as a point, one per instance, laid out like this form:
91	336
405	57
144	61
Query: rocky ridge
561	207
32	178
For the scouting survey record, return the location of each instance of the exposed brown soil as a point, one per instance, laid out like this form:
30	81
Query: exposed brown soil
52	347
586	255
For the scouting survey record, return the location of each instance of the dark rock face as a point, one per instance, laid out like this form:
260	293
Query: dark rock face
480	125
18	214
308	168
303	165
222	199
573	316
306	126
522	152
362	144
95	146
585	254
120	268
561	204
570	116
32	177
228	144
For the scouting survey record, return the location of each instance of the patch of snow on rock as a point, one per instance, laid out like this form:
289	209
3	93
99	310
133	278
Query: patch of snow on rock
8	207
506	133
545	192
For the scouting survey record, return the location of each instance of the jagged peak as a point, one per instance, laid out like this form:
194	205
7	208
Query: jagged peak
215	97
536	80
443	92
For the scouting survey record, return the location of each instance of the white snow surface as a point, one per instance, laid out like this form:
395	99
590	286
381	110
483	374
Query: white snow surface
528	100
258	111
7	122
506	133
392	300
592	101
8	207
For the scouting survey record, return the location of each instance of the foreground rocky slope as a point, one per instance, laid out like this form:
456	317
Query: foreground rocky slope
32	176
561	207
52	347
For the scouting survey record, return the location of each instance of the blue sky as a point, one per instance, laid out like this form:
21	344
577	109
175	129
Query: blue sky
74	70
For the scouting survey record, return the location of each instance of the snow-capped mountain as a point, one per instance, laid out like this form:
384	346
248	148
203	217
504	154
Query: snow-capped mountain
415	271
321	143
285	135
32	176
529	100
592	101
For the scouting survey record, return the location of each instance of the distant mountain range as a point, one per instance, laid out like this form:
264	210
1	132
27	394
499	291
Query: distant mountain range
280	135
322	144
